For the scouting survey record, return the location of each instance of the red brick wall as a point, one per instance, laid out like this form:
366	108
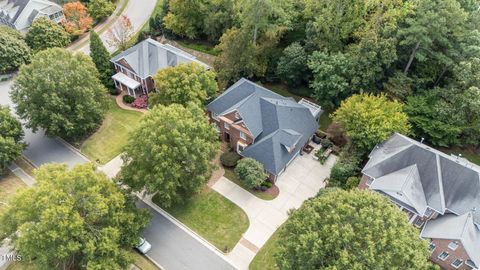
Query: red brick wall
233	131
459	253
363	182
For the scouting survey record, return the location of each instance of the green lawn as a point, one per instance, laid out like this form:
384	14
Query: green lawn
198	46
112	136
22	266
230	174
9	184
143	262
212	216
265	260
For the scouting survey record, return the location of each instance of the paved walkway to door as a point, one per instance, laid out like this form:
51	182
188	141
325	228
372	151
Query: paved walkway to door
301	180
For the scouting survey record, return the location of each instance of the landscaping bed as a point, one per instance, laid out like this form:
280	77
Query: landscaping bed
269	194
107	142
212	216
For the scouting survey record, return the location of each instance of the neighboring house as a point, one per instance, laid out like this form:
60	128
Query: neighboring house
263	125
136	65
19	14
438	192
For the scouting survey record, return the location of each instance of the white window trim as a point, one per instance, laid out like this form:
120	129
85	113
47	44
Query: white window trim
456	267
443	259
226	125
243	135
430	245
452	245
238	147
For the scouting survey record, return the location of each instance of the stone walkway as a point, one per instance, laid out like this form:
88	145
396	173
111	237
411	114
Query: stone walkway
302	180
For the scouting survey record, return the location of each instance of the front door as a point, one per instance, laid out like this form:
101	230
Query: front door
226	137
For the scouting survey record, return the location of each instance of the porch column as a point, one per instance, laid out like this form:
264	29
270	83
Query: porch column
128	90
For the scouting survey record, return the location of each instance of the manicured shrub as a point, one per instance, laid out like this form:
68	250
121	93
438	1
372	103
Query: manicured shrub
141	102
229	159
341	171
113	91
251	172
128	99
326	143
352	182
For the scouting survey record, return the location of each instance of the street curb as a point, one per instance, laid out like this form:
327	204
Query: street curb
187	230
154	262
71	147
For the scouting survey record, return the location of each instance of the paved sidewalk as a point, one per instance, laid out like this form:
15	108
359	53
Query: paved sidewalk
302	180
20	173
113	167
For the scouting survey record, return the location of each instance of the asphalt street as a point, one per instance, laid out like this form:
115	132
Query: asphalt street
174	249
42	149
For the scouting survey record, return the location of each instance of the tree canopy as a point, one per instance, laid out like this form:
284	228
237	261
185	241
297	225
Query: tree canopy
183	84
100	9
14	51
292	65
61	93
170	153
350	230
44	34
101	58
77	20
11	137
251	172
84	220
370	119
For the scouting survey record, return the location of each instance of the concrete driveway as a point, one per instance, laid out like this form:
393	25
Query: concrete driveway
176	249
42	149
301	180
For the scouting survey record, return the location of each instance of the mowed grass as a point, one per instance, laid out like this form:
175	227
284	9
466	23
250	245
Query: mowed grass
9	185
107	142
212	216
143	262
265	258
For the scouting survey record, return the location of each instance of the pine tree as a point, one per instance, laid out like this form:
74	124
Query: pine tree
101	58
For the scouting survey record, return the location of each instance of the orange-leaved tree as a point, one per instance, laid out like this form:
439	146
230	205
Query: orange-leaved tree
77	20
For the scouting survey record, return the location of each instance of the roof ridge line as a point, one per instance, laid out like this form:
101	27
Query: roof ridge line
440	181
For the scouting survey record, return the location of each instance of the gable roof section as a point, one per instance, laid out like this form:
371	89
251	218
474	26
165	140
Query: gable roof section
403	185
148	56
12	9
461	228
280	126
450	184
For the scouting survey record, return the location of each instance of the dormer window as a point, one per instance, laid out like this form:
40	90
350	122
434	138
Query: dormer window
237	115
243	136
453	245
226	125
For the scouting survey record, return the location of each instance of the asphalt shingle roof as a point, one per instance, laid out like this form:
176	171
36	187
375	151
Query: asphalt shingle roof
277	123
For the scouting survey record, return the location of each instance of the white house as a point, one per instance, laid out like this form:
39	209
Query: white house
19	14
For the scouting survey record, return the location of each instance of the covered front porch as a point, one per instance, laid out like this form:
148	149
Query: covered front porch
129	85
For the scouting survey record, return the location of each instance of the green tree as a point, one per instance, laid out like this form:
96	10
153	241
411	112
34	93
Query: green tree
183	84
351	230
84	220
370	119
45	34
186	17
430	35
61	93
218	18
101	58
11	136
14	51
100	9
251	172
331	74
170	153
292	65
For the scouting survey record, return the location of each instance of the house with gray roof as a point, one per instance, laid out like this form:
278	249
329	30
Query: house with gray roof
20	14
440	194
264	125
136	66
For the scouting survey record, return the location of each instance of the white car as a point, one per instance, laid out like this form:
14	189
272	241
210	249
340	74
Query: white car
143	246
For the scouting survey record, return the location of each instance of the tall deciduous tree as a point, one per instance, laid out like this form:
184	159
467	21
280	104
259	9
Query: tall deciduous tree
101	58
186	17
11	136
77	20
170	153
370	119
84	220
331	77
292	65
351	230
44	34
13	50
120	34
100	9
61	93
183	84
